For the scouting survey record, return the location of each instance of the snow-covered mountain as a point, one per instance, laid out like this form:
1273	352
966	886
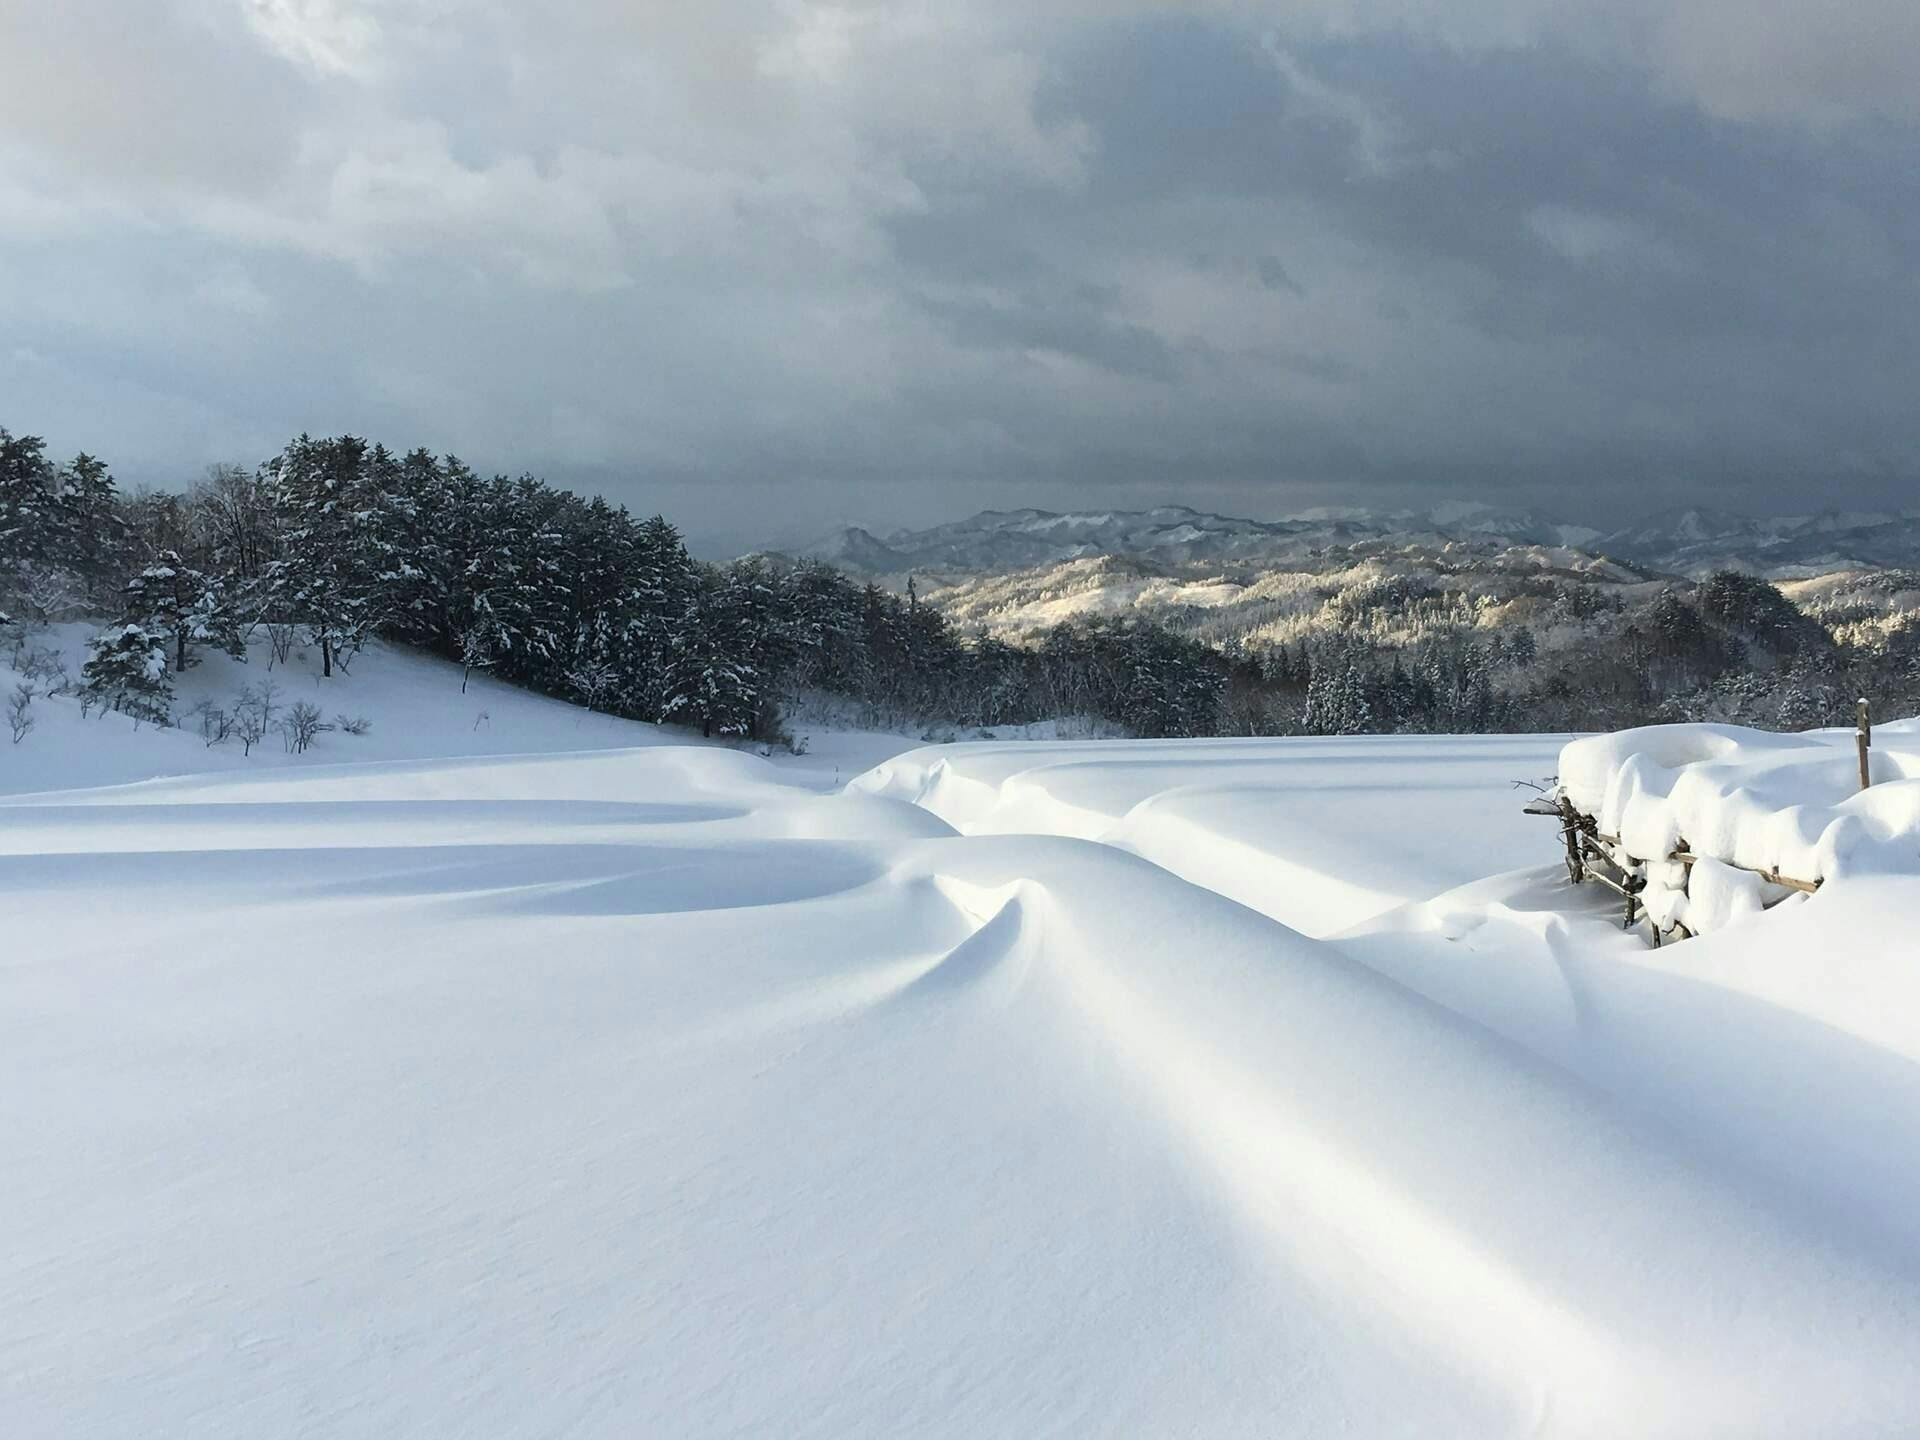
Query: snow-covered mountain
1004	541
1694	541
1687	541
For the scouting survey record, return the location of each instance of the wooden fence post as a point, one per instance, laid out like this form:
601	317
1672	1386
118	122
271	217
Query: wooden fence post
1863	738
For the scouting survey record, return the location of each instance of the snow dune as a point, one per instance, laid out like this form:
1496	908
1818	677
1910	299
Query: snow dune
670	1090
1318	833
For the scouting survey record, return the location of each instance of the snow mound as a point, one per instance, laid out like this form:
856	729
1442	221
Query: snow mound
1744	802
676	1090
1317	833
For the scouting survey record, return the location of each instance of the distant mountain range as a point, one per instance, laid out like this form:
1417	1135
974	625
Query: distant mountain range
1685	542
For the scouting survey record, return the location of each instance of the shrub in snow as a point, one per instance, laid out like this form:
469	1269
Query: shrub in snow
280	638
249	728
216	722
480	644
301	726
352	724
593	681
19	711
37	663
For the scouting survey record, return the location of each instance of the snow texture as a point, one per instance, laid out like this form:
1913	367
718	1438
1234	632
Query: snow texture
1046	1089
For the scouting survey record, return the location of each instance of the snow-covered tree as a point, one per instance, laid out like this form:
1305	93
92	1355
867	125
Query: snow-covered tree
184	605
126	670
709	683
325	577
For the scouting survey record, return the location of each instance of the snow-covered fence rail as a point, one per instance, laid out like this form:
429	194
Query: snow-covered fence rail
1695	826
1594	855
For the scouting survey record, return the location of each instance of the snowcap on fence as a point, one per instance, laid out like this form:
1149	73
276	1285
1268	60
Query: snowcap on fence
1751	800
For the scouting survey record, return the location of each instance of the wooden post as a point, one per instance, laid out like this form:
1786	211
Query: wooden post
1570	832
1863	737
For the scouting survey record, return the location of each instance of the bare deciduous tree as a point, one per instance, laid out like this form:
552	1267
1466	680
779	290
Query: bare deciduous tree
19	711
593	680
248	728
47	592
301	725
280	638
216	722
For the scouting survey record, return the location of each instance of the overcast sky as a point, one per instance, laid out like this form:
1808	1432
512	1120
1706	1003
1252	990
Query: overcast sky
769	264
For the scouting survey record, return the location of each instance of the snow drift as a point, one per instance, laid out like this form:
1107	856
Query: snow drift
673	1090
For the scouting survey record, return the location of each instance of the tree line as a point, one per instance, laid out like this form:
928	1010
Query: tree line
336	541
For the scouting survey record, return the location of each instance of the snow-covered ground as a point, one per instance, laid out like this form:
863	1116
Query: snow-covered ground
414	705
631	1086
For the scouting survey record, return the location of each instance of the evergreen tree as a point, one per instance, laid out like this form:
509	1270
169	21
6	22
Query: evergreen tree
26	498
126	670
706	684
325	577
183	606
91	539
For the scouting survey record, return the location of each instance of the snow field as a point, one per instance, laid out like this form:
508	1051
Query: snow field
1141	1088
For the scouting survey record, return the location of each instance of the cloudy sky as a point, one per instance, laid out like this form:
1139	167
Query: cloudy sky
768	264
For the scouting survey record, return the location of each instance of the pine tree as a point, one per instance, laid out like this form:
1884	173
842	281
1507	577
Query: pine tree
126	670
662	585
93	541
1320	716
326	577
28	510
705	684
1354	714
185	607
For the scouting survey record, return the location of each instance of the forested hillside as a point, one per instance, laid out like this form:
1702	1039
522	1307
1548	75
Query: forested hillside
1491	637
337	540
334	541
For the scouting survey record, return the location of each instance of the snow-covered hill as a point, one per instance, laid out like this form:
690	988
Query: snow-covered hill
415	707
1274	603
1275	1087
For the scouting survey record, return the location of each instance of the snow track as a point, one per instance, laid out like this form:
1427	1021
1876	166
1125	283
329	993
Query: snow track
654	1091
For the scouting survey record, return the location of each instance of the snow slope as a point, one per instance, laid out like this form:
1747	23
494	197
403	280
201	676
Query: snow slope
1318	833
414	703
671	1090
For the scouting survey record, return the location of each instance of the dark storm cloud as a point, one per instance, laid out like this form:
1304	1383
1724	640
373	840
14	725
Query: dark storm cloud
1623	285
784	260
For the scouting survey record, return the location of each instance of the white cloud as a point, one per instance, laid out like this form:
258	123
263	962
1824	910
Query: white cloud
332	37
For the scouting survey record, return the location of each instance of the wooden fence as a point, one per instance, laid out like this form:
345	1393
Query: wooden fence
1594	855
